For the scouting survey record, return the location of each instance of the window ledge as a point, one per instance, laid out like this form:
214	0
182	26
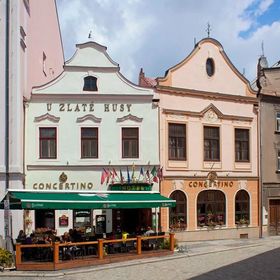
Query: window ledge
277	132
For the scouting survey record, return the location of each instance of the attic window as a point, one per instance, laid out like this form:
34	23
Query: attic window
90	83
210	67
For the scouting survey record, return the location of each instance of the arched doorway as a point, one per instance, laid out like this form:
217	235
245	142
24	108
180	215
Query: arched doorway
178	214
211	205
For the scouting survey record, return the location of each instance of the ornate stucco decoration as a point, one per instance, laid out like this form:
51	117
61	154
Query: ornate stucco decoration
89	117
48	117
210	116
242	184
129	117
177	184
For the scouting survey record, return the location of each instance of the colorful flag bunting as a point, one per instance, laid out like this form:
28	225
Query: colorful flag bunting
121	177
104	175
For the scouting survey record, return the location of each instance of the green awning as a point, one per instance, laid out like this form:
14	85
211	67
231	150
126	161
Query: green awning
82	200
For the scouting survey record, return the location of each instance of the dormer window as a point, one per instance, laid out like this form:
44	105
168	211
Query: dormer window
90	83
210	67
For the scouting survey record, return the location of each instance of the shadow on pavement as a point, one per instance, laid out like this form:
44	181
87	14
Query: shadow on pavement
260	267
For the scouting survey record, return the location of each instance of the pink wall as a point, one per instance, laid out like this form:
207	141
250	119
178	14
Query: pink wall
43	36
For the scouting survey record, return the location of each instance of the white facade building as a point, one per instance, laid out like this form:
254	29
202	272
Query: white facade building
88	119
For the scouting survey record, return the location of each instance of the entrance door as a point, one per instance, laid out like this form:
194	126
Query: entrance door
274	217
44	219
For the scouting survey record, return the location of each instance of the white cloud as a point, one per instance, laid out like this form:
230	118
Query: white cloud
158	34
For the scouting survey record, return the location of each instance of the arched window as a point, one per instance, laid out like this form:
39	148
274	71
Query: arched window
211	207
177	214
90	83
242	208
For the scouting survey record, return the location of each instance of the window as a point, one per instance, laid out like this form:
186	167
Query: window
130	143
241	144
210	67
82	219
177	214
211	208
47	142
242	206
44	64
90	83
177	141
278	161
211	143
89	142
278	122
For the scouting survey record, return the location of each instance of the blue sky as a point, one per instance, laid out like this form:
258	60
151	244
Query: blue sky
157	34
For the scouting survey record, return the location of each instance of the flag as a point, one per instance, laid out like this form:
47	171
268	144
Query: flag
133	171
109	173
121	177
128	176
112	175
142	171
154	173
148	176
104	175
159	173
115	173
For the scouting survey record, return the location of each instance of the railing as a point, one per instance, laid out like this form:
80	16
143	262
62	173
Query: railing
67	255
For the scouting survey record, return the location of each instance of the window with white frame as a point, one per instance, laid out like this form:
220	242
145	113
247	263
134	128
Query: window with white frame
278	121
176	141
130	142
89	142
47	139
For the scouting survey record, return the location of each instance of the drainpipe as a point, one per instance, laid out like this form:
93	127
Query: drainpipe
7	138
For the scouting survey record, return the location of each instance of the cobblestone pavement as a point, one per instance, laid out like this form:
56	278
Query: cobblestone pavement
222	259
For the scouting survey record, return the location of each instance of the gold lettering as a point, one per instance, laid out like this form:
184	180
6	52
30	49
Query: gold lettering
48	186
90	185
200	184
83	186
231	184
190	184
35	186
55	186
226	184
195	184
41	186
67	186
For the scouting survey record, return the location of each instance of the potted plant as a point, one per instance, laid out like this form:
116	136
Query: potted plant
6	259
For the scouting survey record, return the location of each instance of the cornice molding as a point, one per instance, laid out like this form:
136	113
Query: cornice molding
129	117
48	117
89	117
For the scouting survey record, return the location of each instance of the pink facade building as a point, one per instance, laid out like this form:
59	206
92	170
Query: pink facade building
208	146
31	54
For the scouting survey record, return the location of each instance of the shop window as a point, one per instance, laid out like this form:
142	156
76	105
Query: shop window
177	214
82	219
242	206
47	142
90	83
89	142
130	142
277	128
211	143
241	144
176	141
211	207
